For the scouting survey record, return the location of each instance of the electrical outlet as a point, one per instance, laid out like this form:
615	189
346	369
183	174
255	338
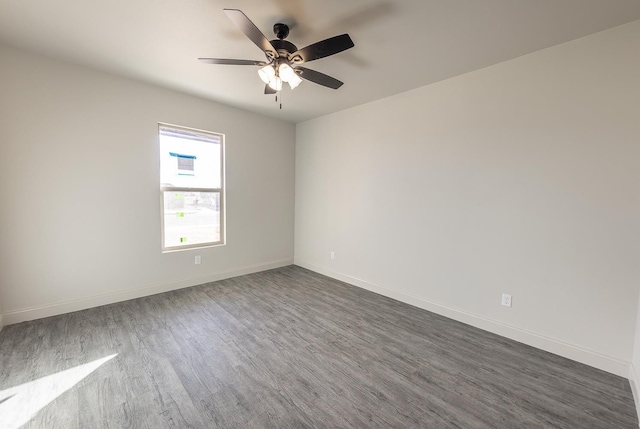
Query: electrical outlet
506	300
198	260
333	256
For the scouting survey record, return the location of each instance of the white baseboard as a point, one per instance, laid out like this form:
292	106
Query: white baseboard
1	322
571	351
32	313
635	388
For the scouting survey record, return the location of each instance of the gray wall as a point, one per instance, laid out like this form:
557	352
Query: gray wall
521	178
80	189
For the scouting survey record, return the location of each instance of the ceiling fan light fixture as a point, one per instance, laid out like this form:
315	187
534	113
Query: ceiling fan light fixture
275	83
267	73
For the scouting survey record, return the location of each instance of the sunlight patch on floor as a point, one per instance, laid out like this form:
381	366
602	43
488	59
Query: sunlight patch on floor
20	403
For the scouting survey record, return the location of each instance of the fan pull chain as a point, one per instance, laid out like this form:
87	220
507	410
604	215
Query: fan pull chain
279	92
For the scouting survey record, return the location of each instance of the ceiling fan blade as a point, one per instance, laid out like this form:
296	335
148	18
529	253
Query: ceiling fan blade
319	78
268	90
231	62
322	49
251	31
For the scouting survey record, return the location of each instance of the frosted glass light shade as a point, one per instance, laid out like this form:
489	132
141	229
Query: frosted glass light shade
286	72
267	73
275	83
294	81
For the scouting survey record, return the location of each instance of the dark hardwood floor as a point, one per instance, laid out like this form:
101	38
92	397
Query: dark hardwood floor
289	348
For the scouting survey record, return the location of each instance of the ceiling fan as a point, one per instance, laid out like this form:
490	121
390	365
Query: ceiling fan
283	57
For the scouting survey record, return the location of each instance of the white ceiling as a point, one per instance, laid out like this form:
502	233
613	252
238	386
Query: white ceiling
399	44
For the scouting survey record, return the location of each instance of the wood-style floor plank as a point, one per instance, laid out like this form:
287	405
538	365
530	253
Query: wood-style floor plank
289	348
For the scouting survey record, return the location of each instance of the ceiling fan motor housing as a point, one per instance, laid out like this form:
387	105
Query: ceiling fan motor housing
284	47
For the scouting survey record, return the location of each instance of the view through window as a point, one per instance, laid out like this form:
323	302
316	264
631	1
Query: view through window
191	184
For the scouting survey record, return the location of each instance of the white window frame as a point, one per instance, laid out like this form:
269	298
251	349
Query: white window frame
220	191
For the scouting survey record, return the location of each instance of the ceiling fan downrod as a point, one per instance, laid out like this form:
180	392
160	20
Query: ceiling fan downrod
281	30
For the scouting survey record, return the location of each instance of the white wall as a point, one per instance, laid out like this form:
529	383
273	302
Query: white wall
80	188
520	178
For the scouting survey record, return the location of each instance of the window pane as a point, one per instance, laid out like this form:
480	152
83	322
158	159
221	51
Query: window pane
191	160
191	218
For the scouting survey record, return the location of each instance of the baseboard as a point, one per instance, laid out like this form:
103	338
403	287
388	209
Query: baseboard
635	386
552	345
1	322
32	313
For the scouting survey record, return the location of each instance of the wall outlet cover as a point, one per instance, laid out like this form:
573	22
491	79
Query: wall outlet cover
506	300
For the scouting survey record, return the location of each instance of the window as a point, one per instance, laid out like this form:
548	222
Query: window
191	187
